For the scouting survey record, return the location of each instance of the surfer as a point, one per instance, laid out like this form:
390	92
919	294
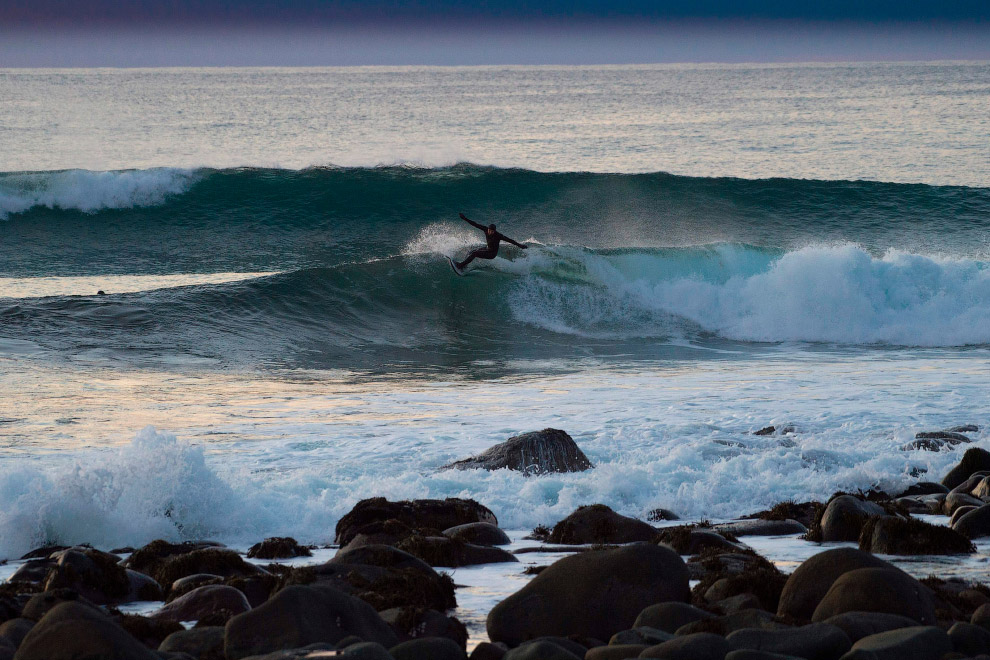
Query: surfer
492	238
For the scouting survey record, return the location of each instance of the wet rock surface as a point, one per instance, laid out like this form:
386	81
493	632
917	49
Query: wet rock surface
597	593
534	453
414	514
598	523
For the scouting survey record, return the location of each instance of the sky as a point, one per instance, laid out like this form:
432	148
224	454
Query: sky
56	33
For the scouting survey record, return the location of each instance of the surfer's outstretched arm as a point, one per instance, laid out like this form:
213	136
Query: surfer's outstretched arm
509	240
472	222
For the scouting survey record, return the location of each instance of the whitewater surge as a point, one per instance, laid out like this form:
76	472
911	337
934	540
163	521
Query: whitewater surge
679	439
835	294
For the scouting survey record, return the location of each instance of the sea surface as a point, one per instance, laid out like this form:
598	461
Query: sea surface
713	249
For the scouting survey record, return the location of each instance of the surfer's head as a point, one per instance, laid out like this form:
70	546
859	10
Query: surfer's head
491	227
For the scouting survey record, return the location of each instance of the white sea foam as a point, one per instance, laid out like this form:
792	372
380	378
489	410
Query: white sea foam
90	191
836	294
678	437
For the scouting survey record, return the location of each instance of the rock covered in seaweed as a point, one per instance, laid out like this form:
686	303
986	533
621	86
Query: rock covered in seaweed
414	514
889	535
536	452
278	547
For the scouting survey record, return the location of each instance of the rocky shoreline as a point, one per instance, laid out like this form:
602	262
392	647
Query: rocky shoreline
626	588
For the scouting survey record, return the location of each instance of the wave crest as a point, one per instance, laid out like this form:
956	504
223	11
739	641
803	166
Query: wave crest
88	191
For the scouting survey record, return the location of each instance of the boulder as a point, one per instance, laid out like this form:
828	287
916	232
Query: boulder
710	566
699	646
15	630
889	535
417	514
969	639
39	605
44	551
974	460
760	578
734	604
382	576
642	635
952	437
487	651
204	601
202	643
541	650
981	616
278	547
917	643
142	587
384	556
670	616
595	593
597	523
445	551
803	512
959	513
817	641
167	562
72	630
34	571
303	653
190	582
924	488
413	622
955	500
858	625
878	590
689	540
478	533
809	583
150	632
11	606
982	489
913	505
365	651
657	515
95	575
301	615
256	588
750	654
935	502
537	452
844	517
762	528
936	440
974	524
427	648
729	623
615	652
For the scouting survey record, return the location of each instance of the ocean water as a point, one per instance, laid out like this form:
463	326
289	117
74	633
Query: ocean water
713	249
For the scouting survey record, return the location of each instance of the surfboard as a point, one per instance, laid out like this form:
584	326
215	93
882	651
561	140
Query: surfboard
454	267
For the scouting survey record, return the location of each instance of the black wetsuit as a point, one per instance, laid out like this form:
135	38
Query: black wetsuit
492	240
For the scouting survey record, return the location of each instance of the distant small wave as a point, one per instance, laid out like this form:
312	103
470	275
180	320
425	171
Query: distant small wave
88	191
